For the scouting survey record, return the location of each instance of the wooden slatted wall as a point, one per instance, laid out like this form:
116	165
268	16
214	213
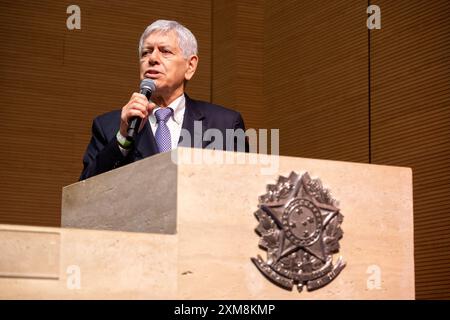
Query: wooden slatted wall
410	84
315	77
237	55
55	81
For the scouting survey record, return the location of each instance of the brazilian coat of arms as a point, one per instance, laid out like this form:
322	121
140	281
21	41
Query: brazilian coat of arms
300	228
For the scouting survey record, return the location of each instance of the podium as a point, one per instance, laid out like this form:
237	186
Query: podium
181	225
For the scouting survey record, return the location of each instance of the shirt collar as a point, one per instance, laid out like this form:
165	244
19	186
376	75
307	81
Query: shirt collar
177	106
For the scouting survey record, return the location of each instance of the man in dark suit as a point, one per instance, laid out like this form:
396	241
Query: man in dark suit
168	56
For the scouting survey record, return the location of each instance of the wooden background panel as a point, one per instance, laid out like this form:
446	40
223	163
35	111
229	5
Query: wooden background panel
238	42
250	66
315	78
223	51
411	124
55	81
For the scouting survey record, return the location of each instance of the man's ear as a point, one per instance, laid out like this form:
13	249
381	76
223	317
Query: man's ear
192	66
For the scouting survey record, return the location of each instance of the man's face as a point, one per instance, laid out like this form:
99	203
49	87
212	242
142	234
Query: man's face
162	61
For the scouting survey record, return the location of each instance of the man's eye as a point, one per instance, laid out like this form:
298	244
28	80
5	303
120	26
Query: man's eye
146	52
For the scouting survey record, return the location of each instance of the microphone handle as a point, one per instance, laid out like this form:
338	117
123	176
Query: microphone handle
133	127
135	122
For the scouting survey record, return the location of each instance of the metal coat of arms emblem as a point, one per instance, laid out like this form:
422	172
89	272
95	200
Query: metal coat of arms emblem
300	228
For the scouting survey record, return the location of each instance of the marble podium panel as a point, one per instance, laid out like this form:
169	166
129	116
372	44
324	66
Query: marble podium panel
192	236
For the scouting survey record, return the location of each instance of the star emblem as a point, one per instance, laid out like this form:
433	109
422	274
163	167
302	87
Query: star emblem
299	225
302	219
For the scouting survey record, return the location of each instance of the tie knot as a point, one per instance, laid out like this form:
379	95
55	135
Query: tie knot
163	114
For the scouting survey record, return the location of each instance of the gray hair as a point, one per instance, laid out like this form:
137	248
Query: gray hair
186	40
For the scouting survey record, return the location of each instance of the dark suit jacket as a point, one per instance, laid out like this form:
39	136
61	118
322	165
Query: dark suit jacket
103	153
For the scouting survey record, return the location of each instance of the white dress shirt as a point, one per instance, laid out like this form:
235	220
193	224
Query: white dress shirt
174	123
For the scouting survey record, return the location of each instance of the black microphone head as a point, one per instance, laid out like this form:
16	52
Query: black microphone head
147	85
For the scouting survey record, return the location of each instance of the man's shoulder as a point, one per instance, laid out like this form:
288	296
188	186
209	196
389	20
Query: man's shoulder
208	108
108	118
108	122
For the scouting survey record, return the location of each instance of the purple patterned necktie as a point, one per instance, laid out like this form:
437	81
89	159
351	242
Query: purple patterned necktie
162	134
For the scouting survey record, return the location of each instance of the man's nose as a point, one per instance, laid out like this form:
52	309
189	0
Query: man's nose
153	58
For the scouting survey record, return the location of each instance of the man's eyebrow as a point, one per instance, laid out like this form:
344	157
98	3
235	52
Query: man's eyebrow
160	44
165	45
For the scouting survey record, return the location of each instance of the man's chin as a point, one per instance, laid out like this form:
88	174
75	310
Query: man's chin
155	80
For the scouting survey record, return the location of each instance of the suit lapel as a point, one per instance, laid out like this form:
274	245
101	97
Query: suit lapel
146	144
192	114
145	141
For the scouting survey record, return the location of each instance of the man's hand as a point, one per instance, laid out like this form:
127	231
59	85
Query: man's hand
138	106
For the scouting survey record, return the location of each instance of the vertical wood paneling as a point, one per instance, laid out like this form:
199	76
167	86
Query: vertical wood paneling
238	42
315	77
411	124
55	81
224	61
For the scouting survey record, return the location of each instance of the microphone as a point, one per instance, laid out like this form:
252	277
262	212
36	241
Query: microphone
146	88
